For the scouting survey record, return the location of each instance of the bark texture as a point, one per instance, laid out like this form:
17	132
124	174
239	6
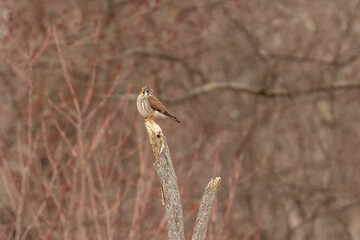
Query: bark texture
204	212
168	180
170	191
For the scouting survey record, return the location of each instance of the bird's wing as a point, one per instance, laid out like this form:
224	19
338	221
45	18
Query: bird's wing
156	104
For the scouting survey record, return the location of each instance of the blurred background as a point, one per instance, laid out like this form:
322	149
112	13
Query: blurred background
268	95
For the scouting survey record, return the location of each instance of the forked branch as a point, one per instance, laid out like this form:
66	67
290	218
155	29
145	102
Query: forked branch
170	191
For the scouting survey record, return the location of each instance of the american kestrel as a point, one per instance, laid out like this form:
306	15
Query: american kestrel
150	106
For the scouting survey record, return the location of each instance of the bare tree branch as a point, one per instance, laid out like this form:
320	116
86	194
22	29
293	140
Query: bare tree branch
163	56
168	180
276	92
170	190
206	205
242	88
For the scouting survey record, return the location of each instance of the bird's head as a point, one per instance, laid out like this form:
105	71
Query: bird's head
146	91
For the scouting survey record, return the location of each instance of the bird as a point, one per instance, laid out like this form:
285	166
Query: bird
150	106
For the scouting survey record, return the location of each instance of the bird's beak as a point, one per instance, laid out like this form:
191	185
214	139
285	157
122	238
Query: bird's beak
142	91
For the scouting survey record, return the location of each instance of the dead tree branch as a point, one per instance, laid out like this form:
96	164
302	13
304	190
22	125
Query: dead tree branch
170	190
168	180
206	205
166	57
276	92
242	88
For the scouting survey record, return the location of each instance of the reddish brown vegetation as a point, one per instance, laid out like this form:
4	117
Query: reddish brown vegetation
75	161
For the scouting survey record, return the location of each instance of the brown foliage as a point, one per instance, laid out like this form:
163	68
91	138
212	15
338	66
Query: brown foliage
267	93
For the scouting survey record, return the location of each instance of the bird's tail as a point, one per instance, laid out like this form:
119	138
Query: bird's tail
175	119
171	116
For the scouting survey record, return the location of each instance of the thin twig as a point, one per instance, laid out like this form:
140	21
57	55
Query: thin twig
66	73
36	56
90	91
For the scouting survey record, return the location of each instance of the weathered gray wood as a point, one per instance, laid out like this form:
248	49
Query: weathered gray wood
204	212
170	191
166	175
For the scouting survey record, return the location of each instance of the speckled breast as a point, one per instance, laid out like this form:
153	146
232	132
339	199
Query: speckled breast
143	107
